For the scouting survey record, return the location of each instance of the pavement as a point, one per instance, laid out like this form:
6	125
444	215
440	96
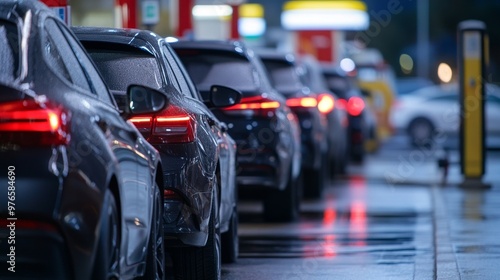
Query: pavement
466	220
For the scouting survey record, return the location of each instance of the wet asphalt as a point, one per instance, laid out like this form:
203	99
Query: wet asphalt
391	217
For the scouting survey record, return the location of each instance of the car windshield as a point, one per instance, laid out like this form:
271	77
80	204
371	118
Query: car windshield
122	68
9	52
283	76
222	68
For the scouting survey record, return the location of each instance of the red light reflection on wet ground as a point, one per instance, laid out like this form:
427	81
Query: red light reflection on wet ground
357	221
329	218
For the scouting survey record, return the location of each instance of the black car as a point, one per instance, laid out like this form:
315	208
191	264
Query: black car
198	154
285	77
338	122
362	127
82	187
266	131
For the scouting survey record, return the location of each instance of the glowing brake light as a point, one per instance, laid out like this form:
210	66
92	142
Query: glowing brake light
355	106
305	102
326	103
174	125
255	105
33	124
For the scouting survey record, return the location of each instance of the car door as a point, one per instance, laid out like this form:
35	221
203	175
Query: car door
214	130
128	149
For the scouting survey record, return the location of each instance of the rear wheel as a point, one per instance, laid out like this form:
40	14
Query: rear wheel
283	205
421	132
155	265
201	262
230	241
106	266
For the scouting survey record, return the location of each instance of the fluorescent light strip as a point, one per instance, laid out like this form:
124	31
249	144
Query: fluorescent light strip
314	19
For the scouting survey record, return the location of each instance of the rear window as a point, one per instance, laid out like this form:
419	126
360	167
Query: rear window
9	51
122	68
222	68
339	85
283	76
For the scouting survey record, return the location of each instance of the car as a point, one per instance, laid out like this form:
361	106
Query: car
375	77
435	110
200	190
285	77
82	197
337	120
266	131
362	128
405	85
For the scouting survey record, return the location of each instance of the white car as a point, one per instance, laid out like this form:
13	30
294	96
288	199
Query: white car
435	110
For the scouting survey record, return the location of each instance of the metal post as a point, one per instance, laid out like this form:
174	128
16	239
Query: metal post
423	38
185	24
471	65
235	17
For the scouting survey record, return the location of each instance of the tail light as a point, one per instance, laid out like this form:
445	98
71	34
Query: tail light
302	102
174	125
254	106
355	106
326	103
32	123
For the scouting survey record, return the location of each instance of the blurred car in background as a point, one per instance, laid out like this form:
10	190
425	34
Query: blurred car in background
405	85
200	192
82	186
434	110
362	129
337	119
285	77
376	77
266	131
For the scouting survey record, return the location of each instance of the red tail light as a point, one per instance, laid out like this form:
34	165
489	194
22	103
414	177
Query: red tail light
174	125
355	106
170	194
342	104
303	102
254	106
33	124
326	103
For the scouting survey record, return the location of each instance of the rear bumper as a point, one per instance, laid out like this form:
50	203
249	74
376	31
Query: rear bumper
185	217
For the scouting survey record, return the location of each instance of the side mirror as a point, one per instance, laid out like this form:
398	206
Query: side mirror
222	96
144	100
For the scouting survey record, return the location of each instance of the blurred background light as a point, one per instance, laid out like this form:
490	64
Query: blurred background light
406	63
325	15
347	65
251	22
212	11
445	73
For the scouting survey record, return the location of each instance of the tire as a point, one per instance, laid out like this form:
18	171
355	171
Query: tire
283	205
230	240
201	262
155	261
106	264
421	132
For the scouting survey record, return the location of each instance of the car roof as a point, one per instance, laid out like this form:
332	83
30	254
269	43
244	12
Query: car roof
128	36
234	46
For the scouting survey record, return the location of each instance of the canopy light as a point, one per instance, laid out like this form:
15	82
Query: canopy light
212	11
325	15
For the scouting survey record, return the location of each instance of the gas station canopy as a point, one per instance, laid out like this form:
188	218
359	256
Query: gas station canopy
325	15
